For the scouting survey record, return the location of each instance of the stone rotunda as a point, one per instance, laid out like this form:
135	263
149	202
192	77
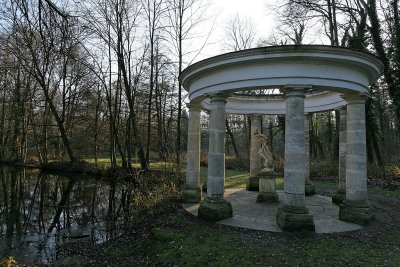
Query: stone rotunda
310	79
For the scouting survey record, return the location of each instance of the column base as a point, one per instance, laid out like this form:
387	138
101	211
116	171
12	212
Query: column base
309	189
267	197
252	183
214	209
191	194
291	218
338	197
355	212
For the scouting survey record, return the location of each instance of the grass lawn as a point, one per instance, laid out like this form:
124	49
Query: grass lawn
235	179
157	165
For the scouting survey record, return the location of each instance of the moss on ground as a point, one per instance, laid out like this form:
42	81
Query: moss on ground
196	245
71	261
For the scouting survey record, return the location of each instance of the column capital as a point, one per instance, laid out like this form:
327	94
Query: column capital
295	90
355	98
221	97
194	106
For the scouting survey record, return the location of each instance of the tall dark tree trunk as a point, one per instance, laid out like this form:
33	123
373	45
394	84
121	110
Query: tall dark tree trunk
229	132
376	33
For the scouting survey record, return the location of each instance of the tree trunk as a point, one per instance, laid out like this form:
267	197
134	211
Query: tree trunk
228	130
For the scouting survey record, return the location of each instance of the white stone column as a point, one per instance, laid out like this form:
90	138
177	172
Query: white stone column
216	149
192	190
340	194
214	207
255	158
355	208
294	214
309	187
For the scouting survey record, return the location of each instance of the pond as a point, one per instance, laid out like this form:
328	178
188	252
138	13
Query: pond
40	212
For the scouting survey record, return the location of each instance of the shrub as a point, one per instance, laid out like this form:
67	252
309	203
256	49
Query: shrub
238	164
326	169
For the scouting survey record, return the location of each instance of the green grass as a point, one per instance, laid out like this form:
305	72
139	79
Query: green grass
196	244
385	192
238	179
158	165
199	245
69	261
235	179
327	186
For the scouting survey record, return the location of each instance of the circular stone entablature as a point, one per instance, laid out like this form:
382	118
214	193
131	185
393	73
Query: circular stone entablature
253	80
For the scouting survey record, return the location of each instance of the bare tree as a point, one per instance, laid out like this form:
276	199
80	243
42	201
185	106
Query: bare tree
240	33
42	42
184	16
154	11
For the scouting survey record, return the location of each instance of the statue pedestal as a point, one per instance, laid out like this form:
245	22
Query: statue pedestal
267	188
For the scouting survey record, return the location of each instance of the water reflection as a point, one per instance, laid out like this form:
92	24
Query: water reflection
38	212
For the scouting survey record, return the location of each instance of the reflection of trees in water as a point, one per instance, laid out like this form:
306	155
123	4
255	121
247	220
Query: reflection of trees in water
33	203
12	211
118	207
63	207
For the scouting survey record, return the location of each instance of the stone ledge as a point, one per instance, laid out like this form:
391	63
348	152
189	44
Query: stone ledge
213	210
294	221
355	212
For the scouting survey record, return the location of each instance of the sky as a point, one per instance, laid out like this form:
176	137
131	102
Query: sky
222	10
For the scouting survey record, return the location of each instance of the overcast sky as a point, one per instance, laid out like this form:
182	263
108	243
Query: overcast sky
222	10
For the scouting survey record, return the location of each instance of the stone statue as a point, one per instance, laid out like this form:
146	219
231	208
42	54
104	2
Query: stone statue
267	162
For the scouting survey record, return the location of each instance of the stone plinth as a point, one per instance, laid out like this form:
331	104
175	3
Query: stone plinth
214	209
294	219
267	188
355	212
